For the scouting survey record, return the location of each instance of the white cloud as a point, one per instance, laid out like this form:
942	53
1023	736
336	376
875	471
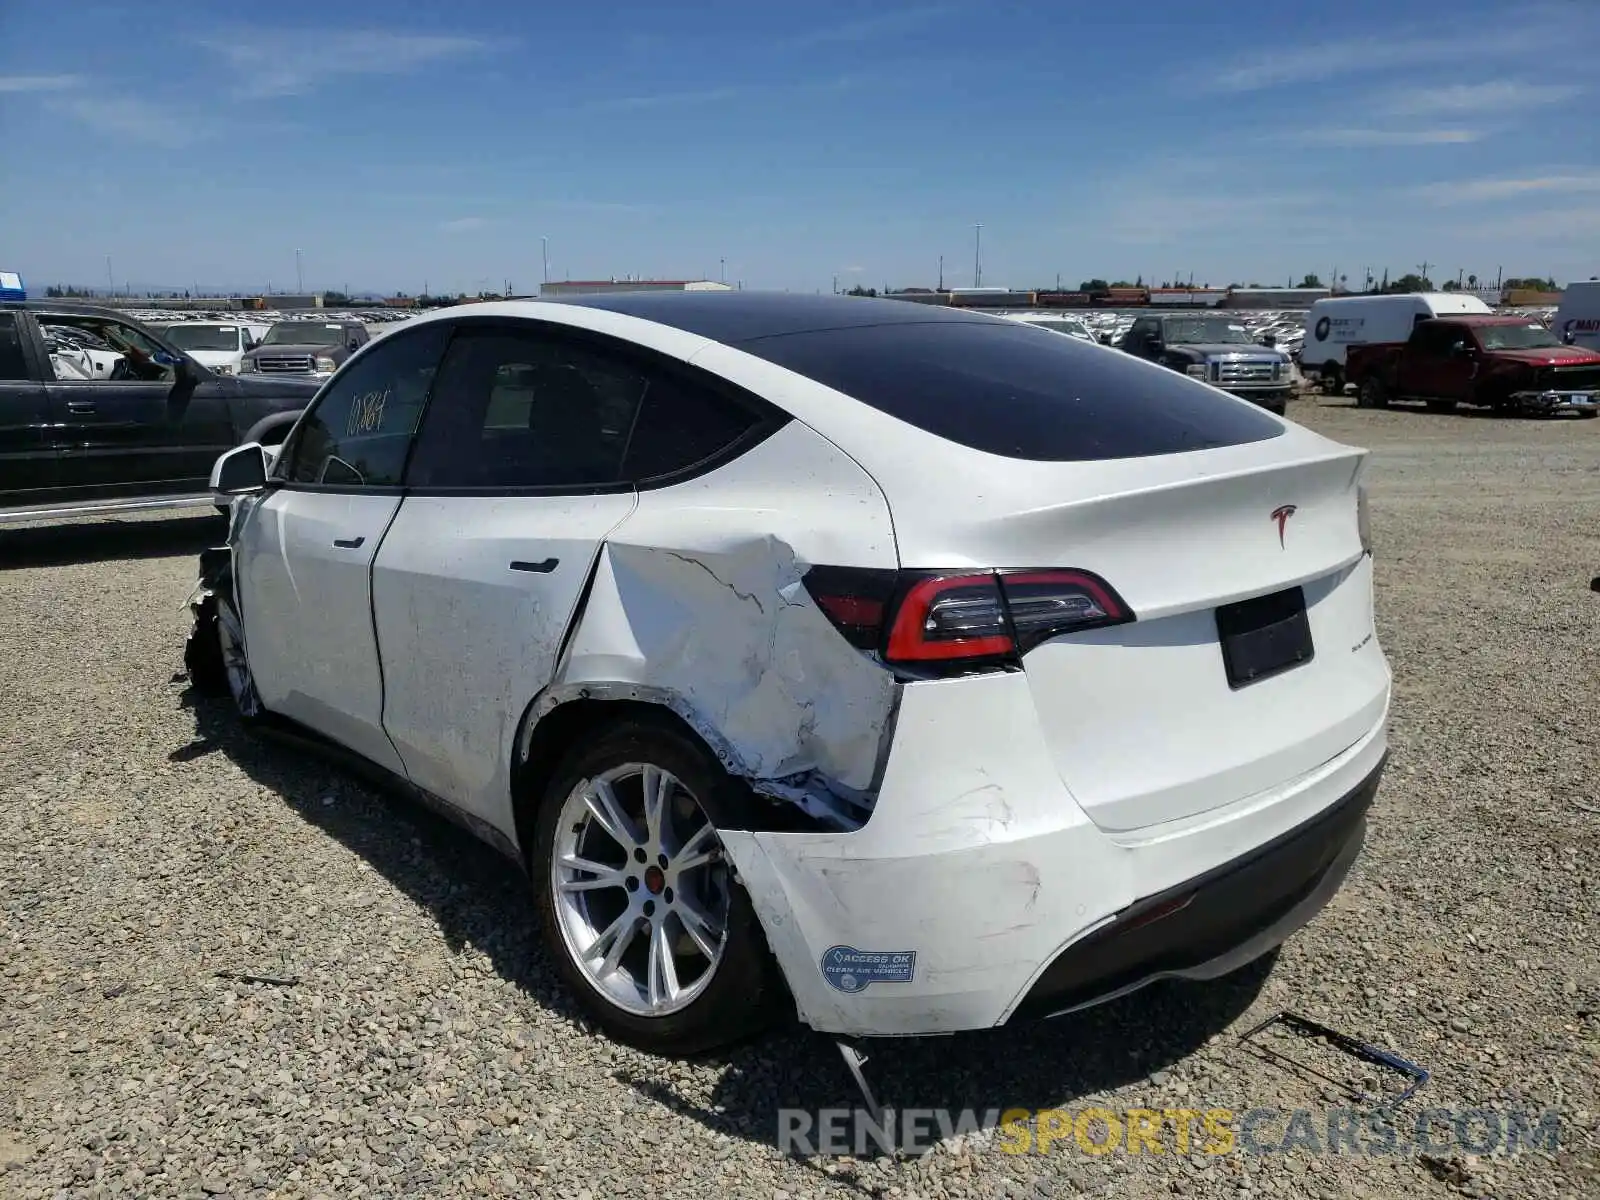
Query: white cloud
124	118
1498	95
1466	191
38	83
282	62
1356	56
463	224
1388	137
666	100
866	29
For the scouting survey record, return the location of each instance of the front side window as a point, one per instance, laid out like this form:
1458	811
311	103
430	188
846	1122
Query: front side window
358	432
131	354
523	408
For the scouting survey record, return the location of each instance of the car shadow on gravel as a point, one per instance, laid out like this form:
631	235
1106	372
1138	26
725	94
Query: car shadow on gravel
104	541
1042	1065
480	901
477	897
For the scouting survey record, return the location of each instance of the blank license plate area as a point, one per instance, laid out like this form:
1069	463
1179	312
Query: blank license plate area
1264	636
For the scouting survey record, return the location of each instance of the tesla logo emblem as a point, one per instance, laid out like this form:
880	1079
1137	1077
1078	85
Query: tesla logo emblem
1281	515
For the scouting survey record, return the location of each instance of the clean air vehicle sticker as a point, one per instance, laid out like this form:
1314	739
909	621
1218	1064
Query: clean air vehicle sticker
850	970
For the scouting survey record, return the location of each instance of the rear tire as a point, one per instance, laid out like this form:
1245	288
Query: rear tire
664	918
1331	381
1372	394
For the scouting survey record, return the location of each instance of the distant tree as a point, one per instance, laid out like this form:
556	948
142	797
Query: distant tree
1410	282
1310	281
858	290
1093	285
1139	282
1472	281
1450	285
1121	283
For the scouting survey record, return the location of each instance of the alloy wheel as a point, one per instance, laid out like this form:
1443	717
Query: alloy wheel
641	890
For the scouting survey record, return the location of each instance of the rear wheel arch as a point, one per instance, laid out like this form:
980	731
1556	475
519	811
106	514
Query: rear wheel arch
550	733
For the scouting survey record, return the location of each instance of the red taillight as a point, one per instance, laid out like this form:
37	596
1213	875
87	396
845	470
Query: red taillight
961	619
950	616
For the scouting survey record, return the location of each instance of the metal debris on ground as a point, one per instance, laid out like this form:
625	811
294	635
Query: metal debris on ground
273	980
1303	1028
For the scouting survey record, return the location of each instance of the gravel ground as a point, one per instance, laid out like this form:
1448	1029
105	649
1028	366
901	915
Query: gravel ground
420	1046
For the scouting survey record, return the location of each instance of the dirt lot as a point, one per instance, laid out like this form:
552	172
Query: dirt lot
423	1049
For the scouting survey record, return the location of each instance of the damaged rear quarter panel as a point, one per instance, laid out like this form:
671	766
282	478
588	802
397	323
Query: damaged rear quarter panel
697	597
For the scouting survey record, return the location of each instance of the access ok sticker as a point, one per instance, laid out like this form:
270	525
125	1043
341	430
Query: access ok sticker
850	970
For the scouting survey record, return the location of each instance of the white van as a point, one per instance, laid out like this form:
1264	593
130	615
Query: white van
1578	318
1334	324
221	346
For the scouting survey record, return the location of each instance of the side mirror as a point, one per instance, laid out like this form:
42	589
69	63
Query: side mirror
241	471
1105	339
1268	340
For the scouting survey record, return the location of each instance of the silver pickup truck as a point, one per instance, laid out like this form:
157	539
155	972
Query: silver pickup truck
1216	349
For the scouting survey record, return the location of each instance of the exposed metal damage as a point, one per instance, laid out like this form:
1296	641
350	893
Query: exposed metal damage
779	696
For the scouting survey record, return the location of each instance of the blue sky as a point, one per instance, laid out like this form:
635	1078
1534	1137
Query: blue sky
400	144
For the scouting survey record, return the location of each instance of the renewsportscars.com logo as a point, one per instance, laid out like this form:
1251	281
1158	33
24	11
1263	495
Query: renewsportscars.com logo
1215	1131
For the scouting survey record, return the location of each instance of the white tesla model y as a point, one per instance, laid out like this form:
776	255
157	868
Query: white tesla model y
889	662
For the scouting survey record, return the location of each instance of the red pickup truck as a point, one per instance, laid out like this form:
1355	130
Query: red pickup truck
1510	364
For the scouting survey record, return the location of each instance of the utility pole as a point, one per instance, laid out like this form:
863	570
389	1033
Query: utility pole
299	275
544	251
111	284
941	274
977	256
835	285
1423	267
1058	281
722	270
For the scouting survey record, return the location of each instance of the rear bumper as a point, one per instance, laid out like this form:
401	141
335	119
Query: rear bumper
980	890
1215	923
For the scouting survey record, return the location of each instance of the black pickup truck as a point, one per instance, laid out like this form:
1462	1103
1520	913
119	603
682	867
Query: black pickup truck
97	408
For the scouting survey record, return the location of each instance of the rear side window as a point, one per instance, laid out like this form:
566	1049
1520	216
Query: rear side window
681	425
13	365
996	387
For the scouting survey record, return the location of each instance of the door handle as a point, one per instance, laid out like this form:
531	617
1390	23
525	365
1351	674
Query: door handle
348	543
542	568
80	406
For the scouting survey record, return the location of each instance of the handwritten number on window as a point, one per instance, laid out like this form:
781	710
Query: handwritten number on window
366	413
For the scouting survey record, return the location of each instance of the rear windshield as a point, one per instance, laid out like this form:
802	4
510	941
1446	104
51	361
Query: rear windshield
999	387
